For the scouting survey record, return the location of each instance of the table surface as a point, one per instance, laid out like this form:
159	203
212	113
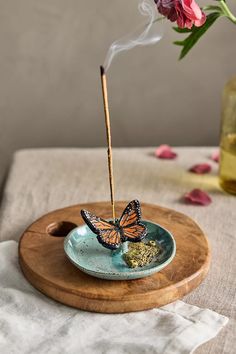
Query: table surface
41	180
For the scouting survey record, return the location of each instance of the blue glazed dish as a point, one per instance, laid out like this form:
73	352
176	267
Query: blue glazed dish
85	252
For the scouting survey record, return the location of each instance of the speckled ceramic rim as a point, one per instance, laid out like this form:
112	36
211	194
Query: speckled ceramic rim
121	275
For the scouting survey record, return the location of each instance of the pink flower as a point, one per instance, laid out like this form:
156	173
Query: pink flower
197	196
201	168
185	12
215	156
165	152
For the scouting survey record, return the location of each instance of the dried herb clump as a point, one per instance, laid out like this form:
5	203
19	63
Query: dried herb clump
140	254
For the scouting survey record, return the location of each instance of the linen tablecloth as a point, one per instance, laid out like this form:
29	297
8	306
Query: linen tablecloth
41	180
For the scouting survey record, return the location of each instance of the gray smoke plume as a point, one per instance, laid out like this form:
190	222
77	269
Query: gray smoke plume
149	33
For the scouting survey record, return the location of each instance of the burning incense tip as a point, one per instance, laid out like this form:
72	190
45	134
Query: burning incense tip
102	70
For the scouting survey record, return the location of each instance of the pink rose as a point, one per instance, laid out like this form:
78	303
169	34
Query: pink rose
185	12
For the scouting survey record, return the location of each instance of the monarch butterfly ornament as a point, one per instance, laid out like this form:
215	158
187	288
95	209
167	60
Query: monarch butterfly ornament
111	234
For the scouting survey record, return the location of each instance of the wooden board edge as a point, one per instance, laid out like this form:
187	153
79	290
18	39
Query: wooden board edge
123	305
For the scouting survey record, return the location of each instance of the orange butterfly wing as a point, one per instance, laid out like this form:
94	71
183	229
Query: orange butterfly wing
107	233
132	229
135	233
128	228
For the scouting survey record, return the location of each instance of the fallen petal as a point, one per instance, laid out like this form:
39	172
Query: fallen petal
197	196
201	168
165	152
215	156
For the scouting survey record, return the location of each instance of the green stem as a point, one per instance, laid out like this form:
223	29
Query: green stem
227	11
212	8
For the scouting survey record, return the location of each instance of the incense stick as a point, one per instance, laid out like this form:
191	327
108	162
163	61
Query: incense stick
108	131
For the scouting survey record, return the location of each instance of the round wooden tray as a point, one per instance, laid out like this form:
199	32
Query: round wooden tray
45	265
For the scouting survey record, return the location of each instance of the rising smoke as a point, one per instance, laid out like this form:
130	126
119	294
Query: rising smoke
148	33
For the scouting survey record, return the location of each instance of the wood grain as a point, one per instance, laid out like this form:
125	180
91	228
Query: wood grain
46	267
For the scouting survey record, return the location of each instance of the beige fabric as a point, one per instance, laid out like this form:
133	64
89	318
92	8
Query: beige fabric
31	323
42	180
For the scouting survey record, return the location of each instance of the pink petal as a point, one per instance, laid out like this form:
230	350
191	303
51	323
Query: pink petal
197	196
215	156
201	168
191	9
199	23
165	152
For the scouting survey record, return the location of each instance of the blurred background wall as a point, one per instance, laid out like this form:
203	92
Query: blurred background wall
50	86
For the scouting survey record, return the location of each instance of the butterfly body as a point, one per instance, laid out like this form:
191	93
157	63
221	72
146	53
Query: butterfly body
112	233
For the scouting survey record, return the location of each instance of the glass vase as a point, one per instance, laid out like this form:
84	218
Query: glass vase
227	172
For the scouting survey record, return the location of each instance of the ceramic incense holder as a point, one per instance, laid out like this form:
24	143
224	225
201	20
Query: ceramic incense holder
85	252
99	247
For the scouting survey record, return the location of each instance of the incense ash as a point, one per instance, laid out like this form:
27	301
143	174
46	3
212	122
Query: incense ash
141	254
